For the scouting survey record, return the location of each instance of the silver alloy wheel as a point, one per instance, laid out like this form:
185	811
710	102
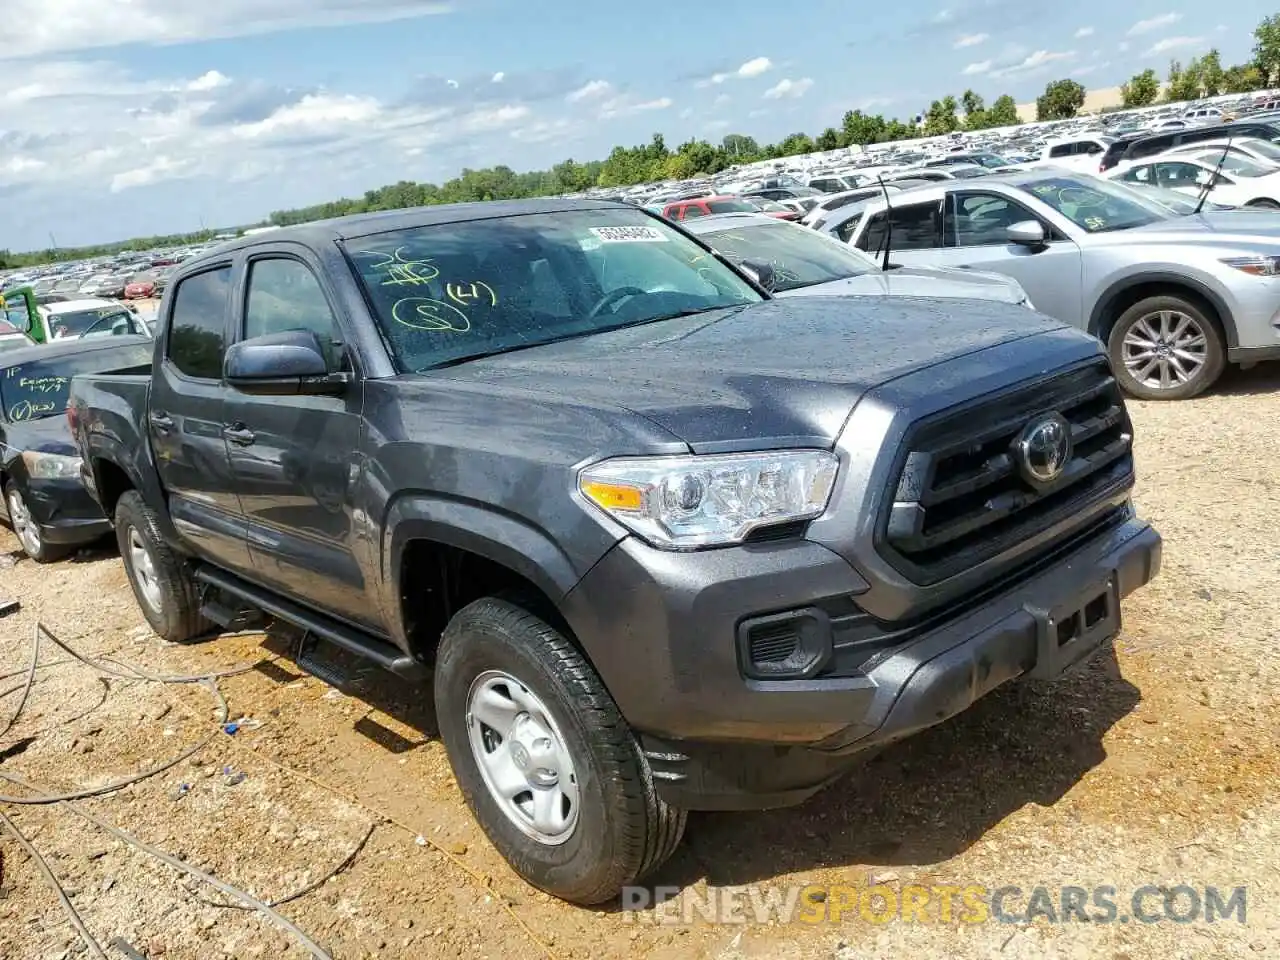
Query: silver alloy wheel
522	757
144	569
23	525
1165	349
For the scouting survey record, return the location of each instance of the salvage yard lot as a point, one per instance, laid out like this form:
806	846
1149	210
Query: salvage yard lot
1154	765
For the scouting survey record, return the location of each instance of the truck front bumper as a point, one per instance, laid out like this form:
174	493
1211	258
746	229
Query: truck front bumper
671	636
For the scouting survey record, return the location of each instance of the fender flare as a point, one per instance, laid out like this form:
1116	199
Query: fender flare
144	478
1194	285
501	537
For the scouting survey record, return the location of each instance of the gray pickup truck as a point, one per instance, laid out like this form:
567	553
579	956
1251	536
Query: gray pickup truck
663	542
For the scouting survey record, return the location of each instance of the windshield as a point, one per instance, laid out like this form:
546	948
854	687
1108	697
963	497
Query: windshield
1237	164
967	173
800	257
1097	206
39	388
730	206
94	322
448	292
1178	203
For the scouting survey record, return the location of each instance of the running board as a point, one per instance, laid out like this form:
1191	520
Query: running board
339	634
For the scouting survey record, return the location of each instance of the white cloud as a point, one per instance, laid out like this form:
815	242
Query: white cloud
1084	32
1034	62
721	100
1154	23
1090	68
161	168
590	91
976	69
65	25
787	87
453	83
625	105
1174	43
499	77
209	81
756	67
971	40
318	111
752	68
1123	46
686	113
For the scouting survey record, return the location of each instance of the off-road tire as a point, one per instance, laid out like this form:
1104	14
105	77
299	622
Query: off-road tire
178	618
624	830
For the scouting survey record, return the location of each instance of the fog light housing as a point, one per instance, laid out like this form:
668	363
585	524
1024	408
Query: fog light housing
795	645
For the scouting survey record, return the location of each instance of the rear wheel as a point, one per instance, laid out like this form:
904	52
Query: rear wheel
546	762
1166	348
1263	203
26	529
161	580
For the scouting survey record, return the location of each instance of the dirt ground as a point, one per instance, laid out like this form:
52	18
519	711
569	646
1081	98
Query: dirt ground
1157	764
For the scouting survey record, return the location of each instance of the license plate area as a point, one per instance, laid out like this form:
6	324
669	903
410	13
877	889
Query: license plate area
1070	631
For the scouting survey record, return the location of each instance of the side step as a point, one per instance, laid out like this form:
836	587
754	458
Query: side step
339	634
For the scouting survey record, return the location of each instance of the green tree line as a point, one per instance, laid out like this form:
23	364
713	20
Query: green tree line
1205	76
644	163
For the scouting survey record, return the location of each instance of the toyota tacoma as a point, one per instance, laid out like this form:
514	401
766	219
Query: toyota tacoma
660	541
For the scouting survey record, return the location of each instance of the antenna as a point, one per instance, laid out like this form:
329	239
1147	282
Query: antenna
888	221
1204	193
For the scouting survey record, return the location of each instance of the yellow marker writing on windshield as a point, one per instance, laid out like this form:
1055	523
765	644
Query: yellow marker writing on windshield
467	293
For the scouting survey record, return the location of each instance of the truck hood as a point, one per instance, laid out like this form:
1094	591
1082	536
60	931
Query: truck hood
1228	228
781	372
944	282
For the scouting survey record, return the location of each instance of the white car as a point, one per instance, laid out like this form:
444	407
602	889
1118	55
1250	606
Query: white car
1255	148
1081	154
1240	182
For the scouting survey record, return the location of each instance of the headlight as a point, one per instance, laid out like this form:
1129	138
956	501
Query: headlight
682	503
1259	266
50	466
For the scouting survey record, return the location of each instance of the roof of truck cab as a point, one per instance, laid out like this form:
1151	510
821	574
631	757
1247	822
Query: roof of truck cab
385	221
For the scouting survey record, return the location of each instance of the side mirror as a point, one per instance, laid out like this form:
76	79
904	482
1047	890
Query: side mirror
282	364
759	271
1026	233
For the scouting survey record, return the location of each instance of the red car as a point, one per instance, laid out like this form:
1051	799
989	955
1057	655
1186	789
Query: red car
705	206
140	288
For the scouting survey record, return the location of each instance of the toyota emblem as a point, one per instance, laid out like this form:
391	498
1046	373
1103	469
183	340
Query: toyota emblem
1044	449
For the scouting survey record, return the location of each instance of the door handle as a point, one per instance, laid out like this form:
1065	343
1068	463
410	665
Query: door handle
239	434
162	422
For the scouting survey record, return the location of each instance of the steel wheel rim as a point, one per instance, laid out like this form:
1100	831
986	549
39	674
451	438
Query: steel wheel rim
522	757
1165	349
26	529
144	569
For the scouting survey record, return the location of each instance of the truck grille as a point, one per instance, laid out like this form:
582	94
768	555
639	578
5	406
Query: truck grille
963	495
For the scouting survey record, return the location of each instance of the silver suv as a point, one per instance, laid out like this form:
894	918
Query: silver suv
1175	298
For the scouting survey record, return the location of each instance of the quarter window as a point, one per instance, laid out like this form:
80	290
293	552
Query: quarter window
197	331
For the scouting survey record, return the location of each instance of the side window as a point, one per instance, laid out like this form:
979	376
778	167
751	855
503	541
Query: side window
846	230
1091	147
285	295
197	331
982	219
1173	175
1061	150
1139	175
917	227
693	210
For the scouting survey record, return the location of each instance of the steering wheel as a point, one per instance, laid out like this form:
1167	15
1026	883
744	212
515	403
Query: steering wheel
612	296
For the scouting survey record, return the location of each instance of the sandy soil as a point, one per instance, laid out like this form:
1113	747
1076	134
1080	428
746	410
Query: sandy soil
1155	765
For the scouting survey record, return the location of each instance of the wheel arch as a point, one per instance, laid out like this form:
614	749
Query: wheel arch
1123	294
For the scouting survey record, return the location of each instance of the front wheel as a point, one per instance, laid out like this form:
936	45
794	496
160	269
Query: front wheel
27	530
1165	348
545	761
1263	203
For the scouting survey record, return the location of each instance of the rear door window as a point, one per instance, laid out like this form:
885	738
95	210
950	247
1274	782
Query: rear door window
915	227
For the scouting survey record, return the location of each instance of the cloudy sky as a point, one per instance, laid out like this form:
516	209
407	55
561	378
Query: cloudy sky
121	118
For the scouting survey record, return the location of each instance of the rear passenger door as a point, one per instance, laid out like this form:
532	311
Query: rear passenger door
916	239
185	419
296	458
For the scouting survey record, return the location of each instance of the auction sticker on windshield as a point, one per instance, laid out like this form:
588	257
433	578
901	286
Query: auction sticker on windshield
628	235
